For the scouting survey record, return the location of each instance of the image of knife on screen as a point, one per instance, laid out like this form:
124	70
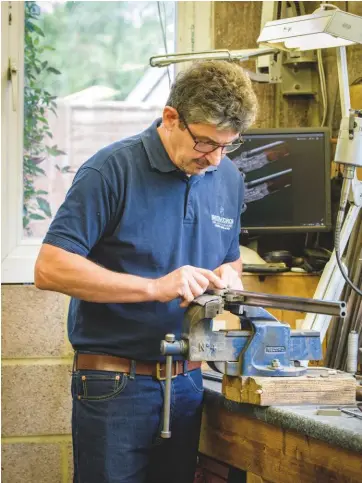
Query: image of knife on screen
257	158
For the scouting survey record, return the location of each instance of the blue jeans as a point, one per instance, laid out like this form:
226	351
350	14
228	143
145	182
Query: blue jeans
116	424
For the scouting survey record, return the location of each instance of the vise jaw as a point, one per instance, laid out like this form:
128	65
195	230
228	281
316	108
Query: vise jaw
263	346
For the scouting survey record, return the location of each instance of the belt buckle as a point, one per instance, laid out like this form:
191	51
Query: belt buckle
158	371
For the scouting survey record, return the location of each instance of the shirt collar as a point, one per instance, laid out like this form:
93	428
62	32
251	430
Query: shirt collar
156	152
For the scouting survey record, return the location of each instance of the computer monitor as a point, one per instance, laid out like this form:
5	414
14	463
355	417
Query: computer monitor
287	180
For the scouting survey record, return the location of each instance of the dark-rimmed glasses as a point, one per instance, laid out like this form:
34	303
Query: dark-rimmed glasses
209	147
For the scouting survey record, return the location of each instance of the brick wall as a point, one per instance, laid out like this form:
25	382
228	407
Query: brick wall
36	403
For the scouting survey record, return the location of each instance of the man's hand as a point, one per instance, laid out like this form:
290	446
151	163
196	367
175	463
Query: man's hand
186	282
229	276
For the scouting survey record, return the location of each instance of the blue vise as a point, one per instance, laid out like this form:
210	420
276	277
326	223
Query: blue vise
263	346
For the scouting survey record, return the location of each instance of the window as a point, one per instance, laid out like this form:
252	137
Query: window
85	83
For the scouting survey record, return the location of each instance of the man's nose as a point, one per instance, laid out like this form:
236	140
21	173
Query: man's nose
215	157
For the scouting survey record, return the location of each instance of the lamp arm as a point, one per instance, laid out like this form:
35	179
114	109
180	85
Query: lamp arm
224	54
343	81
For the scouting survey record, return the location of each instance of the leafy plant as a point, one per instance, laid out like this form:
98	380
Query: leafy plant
37	102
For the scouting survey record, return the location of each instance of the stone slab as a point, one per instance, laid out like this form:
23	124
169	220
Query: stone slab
33	322
36	399
31	463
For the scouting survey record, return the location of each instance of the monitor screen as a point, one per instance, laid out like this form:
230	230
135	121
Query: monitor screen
287	179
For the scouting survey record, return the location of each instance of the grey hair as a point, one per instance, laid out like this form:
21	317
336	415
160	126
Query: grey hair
215	92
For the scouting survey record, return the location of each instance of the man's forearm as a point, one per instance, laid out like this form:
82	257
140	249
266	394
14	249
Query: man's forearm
60	271
237	265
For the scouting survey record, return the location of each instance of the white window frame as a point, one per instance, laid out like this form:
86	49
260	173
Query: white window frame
194	31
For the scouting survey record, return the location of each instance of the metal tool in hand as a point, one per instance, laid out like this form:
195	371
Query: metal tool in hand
262	347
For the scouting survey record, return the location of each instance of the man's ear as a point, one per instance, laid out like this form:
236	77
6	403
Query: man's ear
170	118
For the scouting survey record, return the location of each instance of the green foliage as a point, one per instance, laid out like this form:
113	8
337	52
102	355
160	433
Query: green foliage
37	102
103	43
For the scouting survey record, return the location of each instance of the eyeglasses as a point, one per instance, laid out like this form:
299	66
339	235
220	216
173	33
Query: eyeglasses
209	147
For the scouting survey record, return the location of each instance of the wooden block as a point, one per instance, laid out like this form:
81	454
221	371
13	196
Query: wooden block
231	321
319	386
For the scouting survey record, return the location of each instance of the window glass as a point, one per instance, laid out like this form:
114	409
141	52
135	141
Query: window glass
87	84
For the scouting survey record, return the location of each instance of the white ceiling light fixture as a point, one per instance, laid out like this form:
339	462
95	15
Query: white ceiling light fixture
326	27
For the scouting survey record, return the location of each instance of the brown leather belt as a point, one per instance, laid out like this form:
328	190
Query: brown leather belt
100	362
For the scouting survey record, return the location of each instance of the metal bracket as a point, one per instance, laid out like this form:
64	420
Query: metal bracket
297	73
355	194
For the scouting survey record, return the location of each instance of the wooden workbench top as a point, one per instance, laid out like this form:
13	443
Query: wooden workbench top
343	431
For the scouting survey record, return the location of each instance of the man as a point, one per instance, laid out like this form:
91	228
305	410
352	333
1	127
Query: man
148	224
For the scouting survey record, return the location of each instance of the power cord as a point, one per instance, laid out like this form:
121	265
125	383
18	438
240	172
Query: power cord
163	31
322	79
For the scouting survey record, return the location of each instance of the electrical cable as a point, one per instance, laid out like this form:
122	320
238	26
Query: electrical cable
163	31
300	10
322	79
344	275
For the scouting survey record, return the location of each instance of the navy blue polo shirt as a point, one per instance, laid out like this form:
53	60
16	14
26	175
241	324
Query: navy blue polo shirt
131	210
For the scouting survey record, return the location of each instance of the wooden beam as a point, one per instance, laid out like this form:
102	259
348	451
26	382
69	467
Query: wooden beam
252	478
274	454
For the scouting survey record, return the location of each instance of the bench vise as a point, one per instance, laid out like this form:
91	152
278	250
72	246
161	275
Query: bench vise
262	347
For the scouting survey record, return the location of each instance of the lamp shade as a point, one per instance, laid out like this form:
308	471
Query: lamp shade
321	29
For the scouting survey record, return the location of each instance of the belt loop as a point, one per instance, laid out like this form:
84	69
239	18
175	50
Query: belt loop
132	371
75	360
185	367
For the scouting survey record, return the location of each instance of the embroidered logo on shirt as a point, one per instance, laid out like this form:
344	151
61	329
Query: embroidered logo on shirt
222	222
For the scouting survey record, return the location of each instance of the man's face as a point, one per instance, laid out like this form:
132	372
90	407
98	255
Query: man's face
185	155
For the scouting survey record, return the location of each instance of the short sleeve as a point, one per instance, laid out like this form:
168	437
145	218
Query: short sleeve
84	215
